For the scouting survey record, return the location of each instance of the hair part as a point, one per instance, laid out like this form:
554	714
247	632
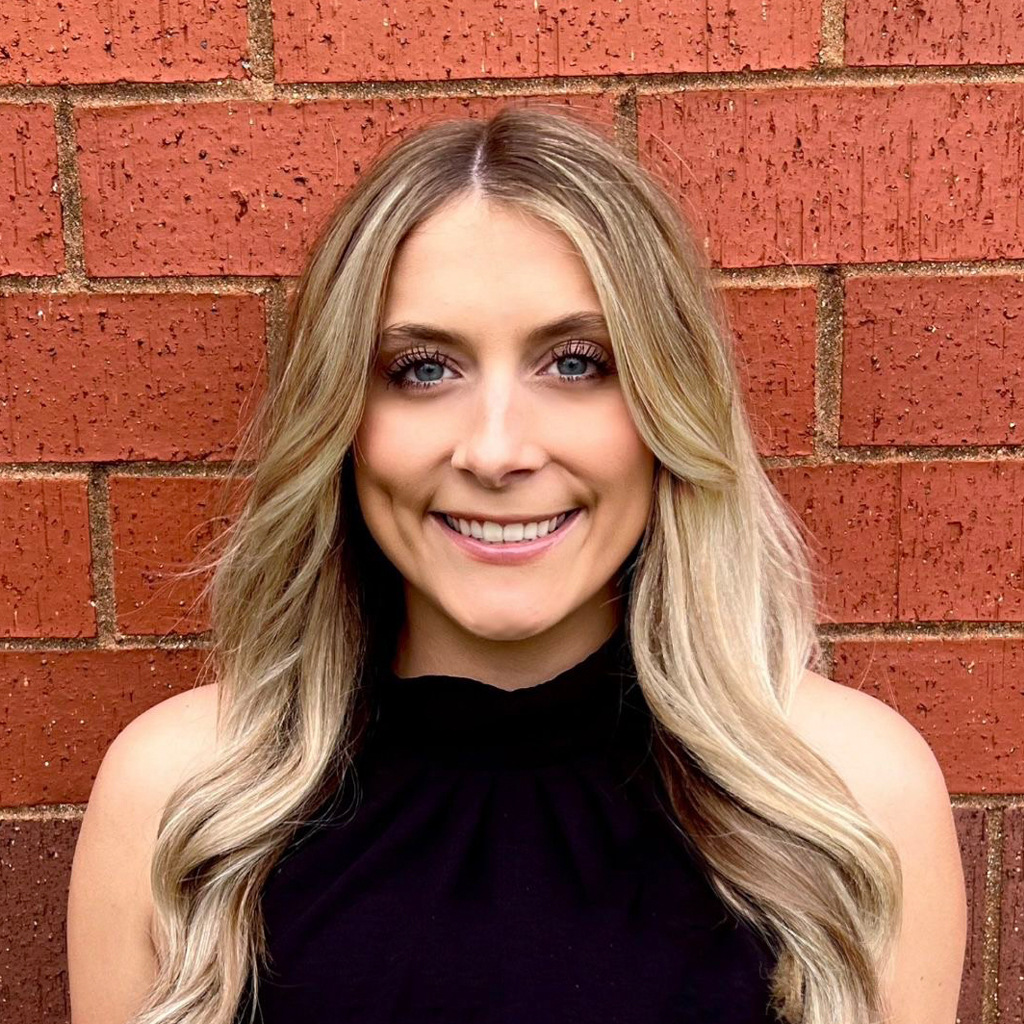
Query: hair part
721	605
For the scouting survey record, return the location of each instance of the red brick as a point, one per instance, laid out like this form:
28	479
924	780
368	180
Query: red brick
118	377
161	527
320	41
776	335
913	542
30	229
933	360
965	697
973	836
842	174
35	872
850	515
242	188
62	709
961	544
46	588
1011	918
939	32
147	41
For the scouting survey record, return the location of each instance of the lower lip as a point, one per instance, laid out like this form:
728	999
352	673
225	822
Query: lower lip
512	553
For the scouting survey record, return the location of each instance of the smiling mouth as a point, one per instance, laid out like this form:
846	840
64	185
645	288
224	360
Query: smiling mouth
513	533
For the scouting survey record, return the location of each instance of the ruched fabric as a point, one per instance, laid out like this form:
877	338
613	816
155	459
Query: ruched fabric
504	857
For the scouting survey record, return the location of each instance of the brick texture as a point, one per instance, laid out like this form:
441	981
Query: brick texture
851	520
321	41
912	542
165	167
933	360
964	696
30	229
147	41
1011	917
961	541
160	528
776	354
62	709
845	174
973	835
935	33
105	377
239	188
35	871
45	586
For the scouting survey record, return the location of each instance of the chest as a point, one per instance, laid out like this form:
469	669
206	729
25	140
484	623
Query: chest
544	894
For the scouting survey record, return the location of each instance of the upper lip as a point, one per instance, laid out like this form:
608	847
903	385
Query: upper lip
502	520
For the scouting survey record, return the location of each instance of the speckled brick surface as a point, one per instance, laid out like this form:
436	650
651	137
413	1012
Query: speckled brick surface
239	188
146	41
62	709
126	377
933	360
966	697
45	584
35	868
880	32
973	835
160	526
1011	916
843	174
322	41
853	169
30	229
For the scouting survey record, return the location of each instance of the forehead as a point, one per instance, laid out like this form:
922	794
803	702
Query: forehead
475	267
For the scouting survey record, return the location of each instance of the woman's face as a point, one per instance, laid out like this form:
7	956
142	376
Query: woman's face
491	420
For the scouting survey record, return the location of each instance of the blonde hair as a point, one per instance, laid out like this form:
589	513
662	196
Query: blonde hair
721	605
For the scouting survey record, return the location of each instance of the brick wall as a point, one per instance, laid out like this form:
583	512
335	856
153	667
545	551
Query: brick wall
854	170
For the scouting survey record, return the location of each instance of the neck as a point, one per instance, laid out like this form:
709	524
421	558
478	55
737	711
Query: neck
431	643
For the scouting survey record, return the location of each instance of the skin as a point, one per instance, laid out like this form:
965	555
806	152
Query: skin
505	428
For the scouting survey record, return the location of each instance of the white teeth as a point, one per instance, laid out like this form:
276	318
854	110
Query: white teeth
513	533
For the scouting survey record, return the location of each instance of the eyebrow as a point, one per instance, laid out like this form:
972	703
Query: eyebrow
582	322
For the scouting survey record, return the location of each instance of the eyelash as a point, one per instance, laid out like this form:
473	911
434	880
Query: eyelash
396	371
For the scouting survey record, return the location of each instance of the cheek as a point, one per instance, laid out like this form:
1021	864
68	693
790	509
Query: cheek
389	455
618	456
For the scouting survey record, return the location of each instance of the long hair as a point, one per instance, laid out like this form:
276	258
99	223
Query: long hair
720	601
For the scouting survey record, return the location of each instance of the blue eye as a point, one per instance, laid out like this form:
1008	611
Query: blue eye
575	352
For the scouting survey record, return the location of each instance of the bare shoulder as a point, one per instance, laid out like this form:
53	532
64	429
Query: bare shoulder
883	759
157	749
111	960
173	736
894	775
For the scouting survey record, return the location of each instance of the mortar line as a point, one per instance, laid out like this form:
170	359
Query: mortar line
103	94
101	556
791	275
904	632
857	456
227	284
70	193
828	364
993	896
260	23
626	132
833	34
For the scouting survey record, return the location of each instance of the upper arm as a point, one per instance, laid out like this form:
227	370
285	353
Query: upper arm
111	960
893	774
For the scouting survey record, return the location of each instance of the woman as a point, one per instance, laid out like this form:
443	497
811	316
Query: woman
512	639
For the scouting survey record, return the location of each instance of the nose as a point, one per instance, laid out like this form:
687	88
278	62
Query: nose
497	436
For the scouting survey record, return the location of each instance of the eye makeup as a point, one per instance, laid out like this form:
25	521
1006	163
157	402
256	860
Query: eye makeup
577	349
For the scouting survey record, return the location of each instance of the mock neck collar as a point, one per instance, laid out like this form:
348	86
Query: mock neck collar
457	719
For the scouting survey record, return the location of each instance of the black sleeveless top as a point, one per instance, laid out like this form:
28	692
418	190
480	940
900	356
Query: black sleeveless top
504	857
